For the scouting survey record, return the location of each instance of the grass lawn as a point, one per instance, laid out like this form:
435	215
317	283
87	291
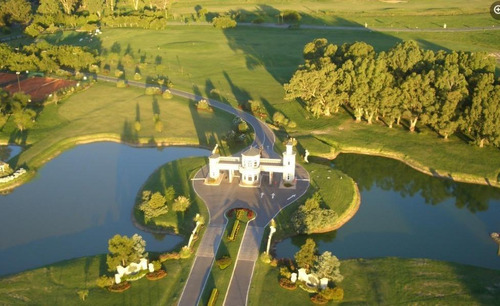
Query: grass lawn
391	281
220	278
337	190
178	174
58	284
104	112
424	14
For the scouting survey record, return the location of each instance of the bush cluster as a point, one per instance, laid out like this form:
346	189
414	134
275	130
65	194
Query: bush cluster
121	287
224	262
169	256
156	275
287	284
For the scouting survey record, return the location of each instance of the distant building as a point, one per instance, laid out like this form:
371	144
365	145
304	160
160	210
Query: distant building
251	164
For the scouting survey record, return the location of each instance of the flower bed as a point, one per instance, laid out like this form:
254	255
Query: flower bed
287	284
119	287
169	256
156	275
234	231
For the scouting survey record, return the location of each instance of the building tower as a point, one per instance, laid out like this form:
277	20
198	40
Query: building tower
213	166
289	163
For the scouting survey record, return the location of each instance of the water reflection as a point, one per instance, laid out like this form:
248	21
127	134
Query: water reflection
395	218
389	174
77	202
8	152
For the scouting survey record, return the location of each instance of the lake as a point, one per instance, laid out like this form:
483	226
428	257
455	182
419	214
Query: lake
405	213
77	202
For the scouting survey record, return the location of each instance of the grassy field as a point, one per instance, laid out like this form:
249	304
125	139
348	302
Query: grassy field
58	284
104	112
337	190
177	174
391	281
428	14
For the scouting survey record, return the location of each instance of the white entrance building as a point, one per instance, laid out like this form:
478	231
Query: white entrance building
250	165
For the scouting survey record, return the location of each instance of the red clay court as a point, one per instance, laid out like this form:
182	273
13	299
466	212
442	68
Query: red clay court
39	88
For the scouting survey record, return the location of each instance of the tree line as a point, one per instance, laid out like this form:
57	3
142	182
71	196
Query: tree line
448	91
42	56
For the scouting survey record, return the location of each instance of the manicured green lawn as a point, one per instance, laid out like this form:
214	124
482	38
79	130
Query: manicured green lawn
178	174
391	281
424	14
58	285
336	189
109	113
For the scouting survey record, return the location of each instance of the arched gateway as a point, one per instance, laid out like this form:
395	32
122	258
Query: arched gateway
250	165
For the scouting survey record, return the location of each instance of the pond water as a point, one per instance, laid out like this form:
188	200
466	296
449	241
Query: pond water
405	213
78	201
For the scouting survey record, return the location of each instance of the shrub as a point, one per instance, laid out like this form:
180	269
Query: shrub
274	262
287	284
156	265
285	272
258	20
82	294
213	297
121	84
250	214
167	95
290	16
224	262
265	258
135	276
104	281
169	256
137	76
158	126
118	73
152	90
119	287
203	105
137	126
318	299
156	275
223	22
336	294
292	124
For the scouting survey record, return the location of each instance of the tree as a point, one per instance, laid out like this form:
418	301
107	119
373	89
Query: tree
49	7
223	22
94	6
24	119
306	256
15	11
418	94
181	204
110	6
327	265
153	206
404	56
482	117
123	251
68	6
451	90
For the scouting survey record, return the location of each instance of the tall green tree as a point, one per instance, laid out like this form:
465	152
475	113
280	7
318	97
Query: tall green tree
24	119
18	11
418	95
153	205
482	117
94	6
306	256
328	266
403	57
68	6
49	7
123	251
451	90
